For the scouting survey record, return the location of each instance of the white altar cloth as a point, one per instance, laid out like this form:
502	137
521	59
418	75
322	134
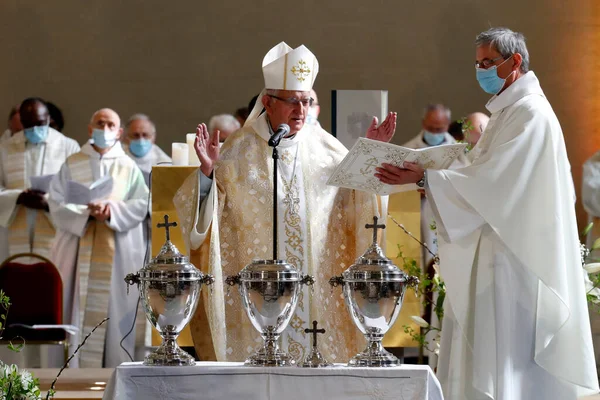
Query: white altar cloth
226	380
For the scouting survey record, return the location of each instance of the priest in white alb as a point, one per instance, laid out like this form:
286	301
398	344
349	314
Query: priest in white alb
321	228
516	322
38	150
99	243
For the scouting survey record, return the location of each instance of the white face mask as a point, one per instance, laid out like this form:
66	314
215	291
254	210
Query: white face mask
104	138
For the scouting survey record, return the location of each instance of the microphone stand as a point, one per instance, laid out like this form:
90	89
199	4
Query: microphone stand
275	159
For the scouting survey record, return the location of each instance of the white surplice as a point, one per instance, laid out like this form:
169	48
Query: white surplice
516	324
126	222
39	159
7	134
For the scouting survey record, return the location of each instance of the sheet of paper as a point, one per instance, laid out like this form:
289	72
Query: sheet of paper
102	188
357	169
41	182
78	193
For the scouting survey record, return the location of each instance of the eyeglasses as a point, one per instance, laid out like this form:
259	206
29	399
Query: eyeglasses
486	63
292	101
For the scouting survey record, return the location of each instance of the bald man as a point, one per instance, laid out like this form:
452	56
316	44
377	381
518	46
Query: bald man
99	241
478	121
33	152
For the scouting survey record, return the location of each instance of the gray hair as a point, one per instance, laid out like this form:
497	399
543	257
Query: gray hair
507	43
437	107
143	117
223	122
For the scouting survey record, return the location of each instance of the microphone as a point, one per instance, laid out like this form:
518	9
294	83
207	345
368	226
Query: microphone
282	130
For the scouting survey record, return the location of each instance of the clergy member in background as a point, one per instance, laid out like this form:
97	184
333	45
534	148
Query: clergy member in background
226	124
14	124
321	228
98	243
477	122
434	132
516	323
38	150
140	144
312	117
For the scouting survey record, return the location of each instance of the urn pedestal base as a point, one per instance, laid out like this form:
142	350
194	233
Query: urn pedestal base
374	356
169	354
270	355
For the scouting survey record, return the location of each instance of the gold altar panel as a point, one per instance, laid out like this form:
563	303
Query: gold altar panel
166	180
406	209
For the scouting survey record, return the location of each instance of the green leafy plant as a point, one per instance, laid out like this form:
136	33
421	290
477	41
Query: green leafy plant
466	128
432	292
592	269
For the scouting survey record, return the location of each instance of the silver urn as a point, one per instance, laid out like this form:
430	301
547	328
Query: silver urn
374	290
270	290
169	287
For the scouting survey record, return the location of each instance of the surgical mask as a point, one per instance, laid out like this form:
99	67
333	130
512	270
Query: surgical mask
140	147
489	80
103	138
36	134
434	139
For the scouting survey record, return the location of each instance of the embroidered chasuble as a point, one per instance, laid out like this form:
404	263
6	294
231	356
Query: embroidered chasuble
321	231
95	256
24	230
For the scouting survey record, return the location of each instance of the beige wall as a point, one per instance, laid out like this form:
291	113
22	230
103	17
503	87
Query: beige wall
183	61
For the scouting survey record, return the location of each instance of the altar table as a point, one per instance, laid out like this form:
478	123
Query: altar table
227	381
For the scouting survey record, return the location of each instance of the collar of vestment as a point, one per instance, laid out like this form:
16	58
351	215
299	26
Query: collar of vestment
19	138
263	128
115	152
524	86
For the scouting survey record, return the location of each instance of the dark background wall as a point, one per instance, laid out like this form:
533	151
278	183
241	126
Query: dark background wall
183	61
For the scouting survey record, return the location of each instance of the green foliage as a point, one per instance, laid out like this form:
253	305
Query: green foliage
18	385
427	289
4	305
466	127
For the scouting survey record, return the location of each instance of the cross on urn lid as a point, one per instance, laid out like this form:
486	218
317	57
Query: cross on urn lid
374	252
169	252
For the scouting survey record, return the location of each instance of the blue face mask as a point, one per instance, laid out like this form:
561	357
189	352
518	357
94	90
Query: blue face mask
434	139
140	147
104	138
489	80
36	134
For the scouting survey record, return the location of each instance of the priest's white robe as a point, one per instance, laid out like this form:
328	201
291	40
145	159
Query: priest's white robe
19	161
516	324
5	136
321	230
126	222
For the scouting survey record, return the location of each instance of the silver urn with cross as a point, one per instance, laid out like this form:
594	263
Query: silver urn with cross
270	290
373	291
169	287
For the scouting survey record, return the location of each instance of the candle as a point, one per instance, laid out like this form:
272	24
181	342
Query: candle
193	157
179	153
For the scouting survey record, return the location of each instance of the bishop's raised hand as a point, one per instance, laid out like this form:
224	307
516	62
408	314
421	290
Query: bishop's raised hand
385	131
207	149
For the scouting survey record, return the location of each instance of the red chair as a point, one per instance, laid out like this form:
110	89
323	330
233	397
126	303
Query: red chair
36	297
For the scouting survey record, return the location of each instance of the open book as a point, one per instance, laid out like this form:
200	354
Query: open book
357	169
77	193
41	182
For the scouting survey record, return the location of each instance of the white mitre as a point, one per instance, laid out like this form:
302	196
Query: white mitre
285	68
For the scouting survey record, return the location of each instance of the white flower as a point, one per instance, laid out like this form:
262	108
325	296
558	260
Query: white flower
420	321
592	268
437	348
436	268
26	379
